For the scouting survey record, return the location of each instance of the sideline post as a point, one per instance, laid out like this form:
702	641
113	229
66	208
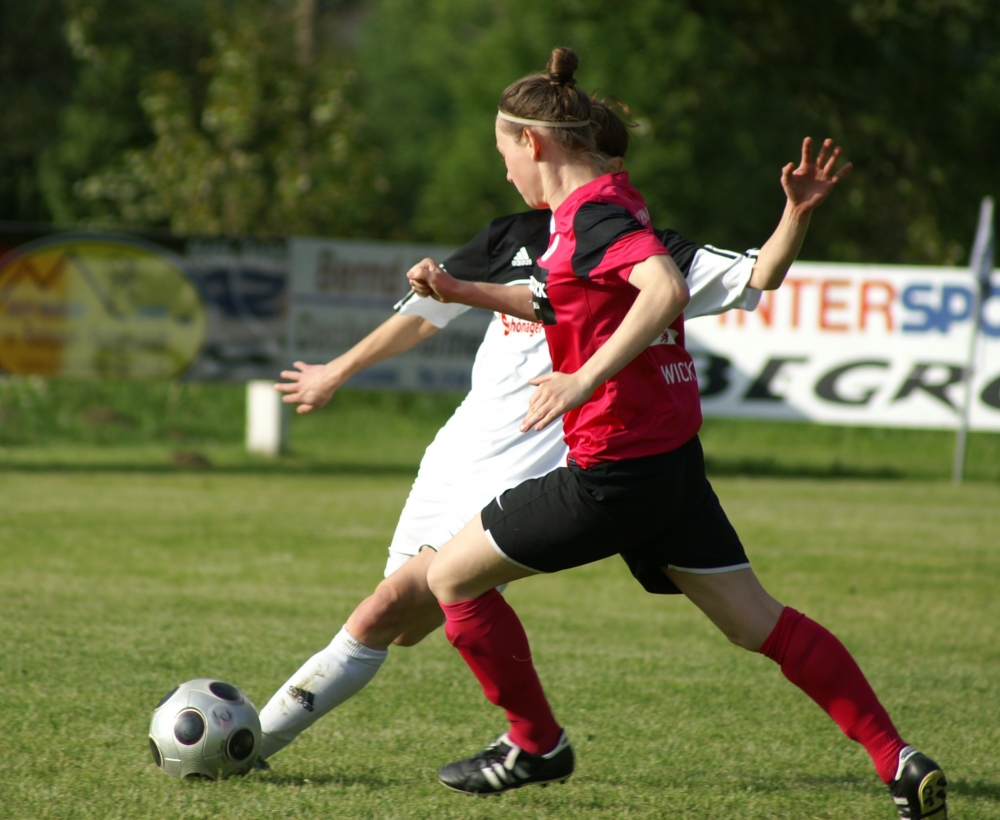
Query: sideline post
981	264
267	419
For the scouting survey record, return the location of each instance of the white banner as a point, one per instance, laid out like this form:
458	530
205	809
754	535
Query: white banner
854	344
341	290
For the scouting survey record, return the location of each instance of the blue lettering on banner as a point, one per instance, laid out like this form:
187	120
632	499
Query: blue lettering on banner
953	303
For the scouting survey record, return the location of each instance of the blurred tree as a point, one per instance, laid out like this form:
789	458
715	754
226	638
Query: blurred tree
375	117
723	92
270	146
36	79
114	45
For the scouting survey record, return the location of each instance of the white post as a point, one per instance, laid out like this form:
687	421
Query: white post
267	419
981	263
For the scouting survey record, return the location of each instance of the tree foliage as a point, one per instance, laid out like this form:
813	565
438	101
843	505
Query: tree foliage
723	93
262	141
375	117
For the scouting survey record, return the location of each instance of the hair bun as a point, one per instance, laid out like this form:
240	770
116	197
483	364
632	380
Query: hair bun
562	65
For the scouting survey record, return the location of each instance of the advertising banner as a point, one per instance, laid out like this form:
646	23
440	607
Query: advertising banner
144	306
856	345
87	306
244	284
341	290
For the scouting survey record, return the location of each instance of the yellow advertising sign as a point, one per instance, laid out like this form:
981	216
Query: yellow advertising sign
97	306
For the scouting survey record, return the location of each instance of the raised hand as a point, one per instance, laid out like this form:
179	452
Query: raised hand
809	184
310	386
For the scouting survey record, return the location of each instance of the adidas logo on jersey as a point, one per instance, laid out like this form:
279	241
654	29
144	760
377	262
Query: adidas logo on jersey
521	259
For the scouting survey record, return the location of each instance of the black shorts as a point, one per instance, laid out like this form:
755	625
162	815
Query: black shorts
657	511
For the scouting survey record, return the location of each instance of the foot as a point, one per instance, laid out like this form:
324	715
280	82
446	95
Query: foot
261	765
503	766
919	787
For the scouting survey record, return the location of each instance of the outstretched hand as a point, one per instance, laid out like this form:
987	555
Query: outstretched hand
427	278
309	386
809	184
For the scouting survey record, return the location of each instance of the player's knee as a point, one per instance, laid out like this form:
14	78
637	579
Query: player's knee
385	609
438	579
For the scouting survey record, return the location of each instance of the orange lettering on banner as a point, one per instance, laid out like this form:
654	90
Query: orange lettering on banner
884	307
796	285
740	317
826	304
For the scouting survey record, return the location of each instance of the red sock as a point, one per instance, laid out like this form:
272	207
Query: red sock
812	658
489	636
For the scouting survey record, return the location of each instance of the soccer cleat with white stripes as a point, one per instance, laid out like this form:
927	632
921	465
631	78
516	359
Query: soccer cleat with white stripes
919	787
503	766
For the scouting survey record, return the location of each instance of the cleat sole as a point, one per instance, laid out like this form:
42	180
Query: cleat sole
933	805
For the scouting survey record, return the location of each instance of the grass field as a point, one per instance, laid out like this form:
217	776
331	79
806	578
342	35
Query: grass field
125	570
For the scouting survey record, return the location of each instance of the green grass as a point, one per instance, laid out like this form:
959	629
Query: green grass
116	585
127	565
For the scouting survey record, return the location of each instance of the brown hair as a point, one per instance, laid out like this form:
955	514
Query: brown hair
551	97
611	133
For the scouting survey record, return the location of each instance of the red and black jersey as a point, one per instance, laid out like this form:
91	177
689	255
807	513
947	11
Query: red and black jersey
505	250
581	293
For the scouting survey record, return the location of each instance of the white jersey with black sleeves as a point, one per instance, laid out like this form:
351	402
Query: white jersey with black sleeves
481	451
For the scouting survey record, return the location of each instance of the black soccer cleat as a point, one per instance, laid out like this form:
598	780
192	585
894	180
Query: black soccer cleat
919	787
502	766
261	765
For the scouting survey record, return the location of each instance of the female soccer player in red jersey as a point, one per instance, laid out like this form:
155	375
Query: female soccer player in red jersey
480	451
612	299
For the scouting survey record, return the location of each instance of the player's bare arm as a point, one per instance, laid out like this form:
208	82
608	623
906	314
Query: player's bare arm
663	295
427	278
311	386
806	187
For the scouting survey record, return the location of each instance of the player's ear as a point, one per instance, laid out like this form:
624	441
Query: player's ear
615	165
534	143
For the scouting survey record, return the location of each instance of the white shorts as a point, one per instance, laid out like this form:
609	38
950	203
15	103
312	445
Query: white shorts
433	514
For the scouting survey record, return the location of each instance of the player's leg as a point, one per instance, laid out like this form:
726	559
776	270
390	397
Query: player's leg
812	658
542	525
486	631
483	627
402	605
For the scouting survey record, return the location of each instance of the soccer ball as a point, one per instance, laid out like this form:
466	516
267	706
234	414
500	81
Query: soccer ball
205	728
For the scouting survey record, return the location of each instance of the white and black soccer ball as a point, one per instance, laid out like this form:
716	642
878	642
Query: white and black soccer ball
205	728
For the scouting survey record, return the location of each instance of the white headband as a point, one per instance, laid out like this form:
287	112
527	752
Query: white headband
543	123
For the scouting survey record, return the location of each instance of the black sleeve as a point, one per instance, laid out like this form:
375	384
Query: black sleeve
597	226
504	251
682	250
471	262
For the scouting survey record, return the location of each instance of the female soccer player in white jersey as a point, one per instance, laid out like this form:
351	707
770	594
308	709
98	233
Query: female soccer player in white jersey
611	299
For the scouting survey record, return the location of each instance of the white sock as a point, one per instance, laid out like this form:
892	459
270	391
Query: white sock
323	682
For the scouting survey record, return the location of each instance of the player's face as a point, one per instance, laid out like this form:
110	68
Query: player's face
522	169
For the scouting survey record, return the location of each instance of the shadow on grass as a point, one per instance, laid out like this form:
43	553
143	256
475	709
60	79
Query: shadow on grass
370	781
769	468
263	468
977	789
716	467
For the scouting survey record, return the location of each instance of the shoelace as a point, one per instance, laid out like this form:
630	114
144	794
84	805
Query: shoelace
492	754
